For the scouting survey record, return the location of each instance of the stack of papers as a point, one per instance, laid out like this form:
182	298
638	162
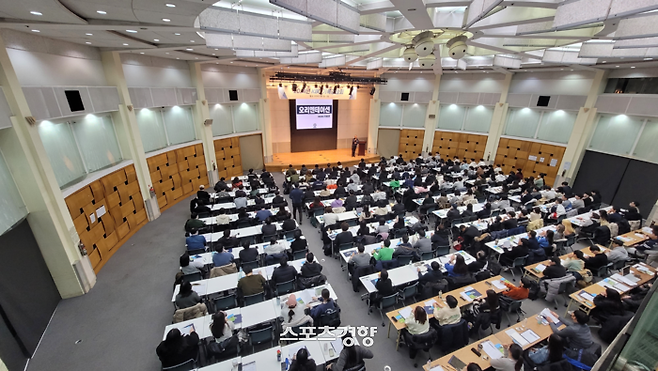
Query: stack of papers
437	368
530	336
251	366
607	282
405	312
539	268
235	318
471	294
516	337
499	284
619	278
549	316
643	269
586	295
494	351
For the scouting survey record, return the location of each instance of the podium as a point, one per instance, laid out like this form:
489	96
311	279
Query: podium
361	149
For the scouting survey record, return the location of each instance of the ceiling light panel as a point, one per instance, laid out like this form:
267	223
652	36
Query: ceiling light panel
331	12
621	8
637	27
315	57
648	42
565	57
373	21
580	12
246	42
254	24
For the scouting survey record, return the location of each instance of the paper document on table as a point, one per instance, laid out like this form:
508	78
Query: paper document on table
516	337
187	329
619	278
251	366
498	284
548	315
492	351
436	368
337	345
647	230
540	268
530	336
631	278
405	312
586	295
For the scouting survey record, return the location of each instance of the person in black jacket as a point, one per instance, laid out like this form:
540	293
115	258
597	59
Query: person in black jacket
433	275
511	222
516	252
310	268
299	243
301	362
202	195
555	269
227	241
607	304
351	202
268	229
453	213
283	273
288	224
595	262
384	287
479	263
176	348
441	235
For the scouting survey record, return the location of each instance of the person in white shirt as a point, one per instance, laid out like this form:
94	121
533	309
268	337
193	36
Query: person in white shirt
221	328
274	247
329	217
449	314
352	186
513	360
482	163
378	196
559	209
548	194
293	313
222	218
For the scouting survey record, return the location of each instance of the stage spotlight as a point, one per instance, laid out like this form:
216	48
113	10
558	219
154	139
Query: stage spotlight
294	87
372	91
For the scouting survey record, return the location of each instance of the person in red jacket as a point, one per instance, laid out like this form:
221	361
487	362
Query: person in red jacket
517	293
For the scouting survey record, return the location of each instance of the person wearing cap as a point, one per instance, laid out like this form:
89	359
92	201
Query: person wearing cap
202	195
293	313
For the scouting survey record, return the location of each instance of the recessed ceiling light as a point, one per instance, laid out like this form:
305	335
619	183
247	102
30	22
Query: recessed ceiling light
648	59
213	53
101	12
617	66
166	52
176	34
189	49
34	12
141	52
88	42
232	62
124	44
604	62
191	41
156	40
166	20
196	57
36	31
131	31
561	69
632	66
177	58
216	49
170	5
89	34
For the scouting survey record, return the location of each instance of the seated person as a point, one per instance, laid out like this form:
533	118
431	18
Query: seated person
248	253
441	236
275	248
535	252
186	296
223	218
404	248
423	244
517	293
546	240
310	268
344	237
617	252
384	287
227	241
382	227
283	273
457	266
221	258
251	284
577	335
480	262
187	267
595	262
385	253
268	229
511	221
448	313
330	219
176	348
608	304
359	258
293	313
302	362
516	252
288	224
194	224
195	241
299	243
326	303
263	214
221	328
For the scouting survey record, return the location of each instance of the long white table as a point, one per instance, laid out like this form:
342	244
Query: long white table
206	258
253	230
231	205
234	217
409	273
443	213
372	226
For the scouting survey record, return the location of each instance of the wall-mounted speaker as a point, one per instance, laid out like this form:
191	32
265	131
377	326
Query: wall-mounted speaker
543	101
232	95
404	97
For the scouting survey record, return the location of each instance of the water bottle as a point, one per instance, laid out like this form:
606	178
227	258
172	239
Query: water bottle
287	363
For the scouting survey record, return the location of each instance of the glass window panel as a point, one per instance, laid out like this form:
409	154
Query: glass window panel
522	122
11	202
556	126
179	124
646	148
151	129
97	141
390	114
245	116
478	119
413	115
451	117
221	119
62	152
616	134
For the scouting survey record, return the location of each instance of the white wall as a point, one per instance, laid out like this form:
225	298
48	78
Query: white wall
280	121
41	61
219	76
145	71
408	82
633	72
472	82
353	116
552	83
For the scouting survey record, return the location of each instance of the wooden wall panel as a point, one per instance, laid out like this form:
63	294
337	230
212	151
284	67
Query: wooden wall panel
175	174
227	155
118	193
411	143
462	145
531	157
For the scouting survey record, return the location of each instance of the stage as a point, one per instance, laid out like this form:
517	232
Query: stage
281	161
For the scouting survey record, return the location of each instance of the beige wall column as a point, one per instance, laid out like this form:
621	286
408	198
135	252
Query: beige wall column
48	214
498	121
582	131
430	117
203	132
265	118
128	134
373	121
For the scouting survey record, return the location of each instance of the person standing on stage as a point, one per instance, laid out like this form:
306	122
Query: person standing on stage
355	143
